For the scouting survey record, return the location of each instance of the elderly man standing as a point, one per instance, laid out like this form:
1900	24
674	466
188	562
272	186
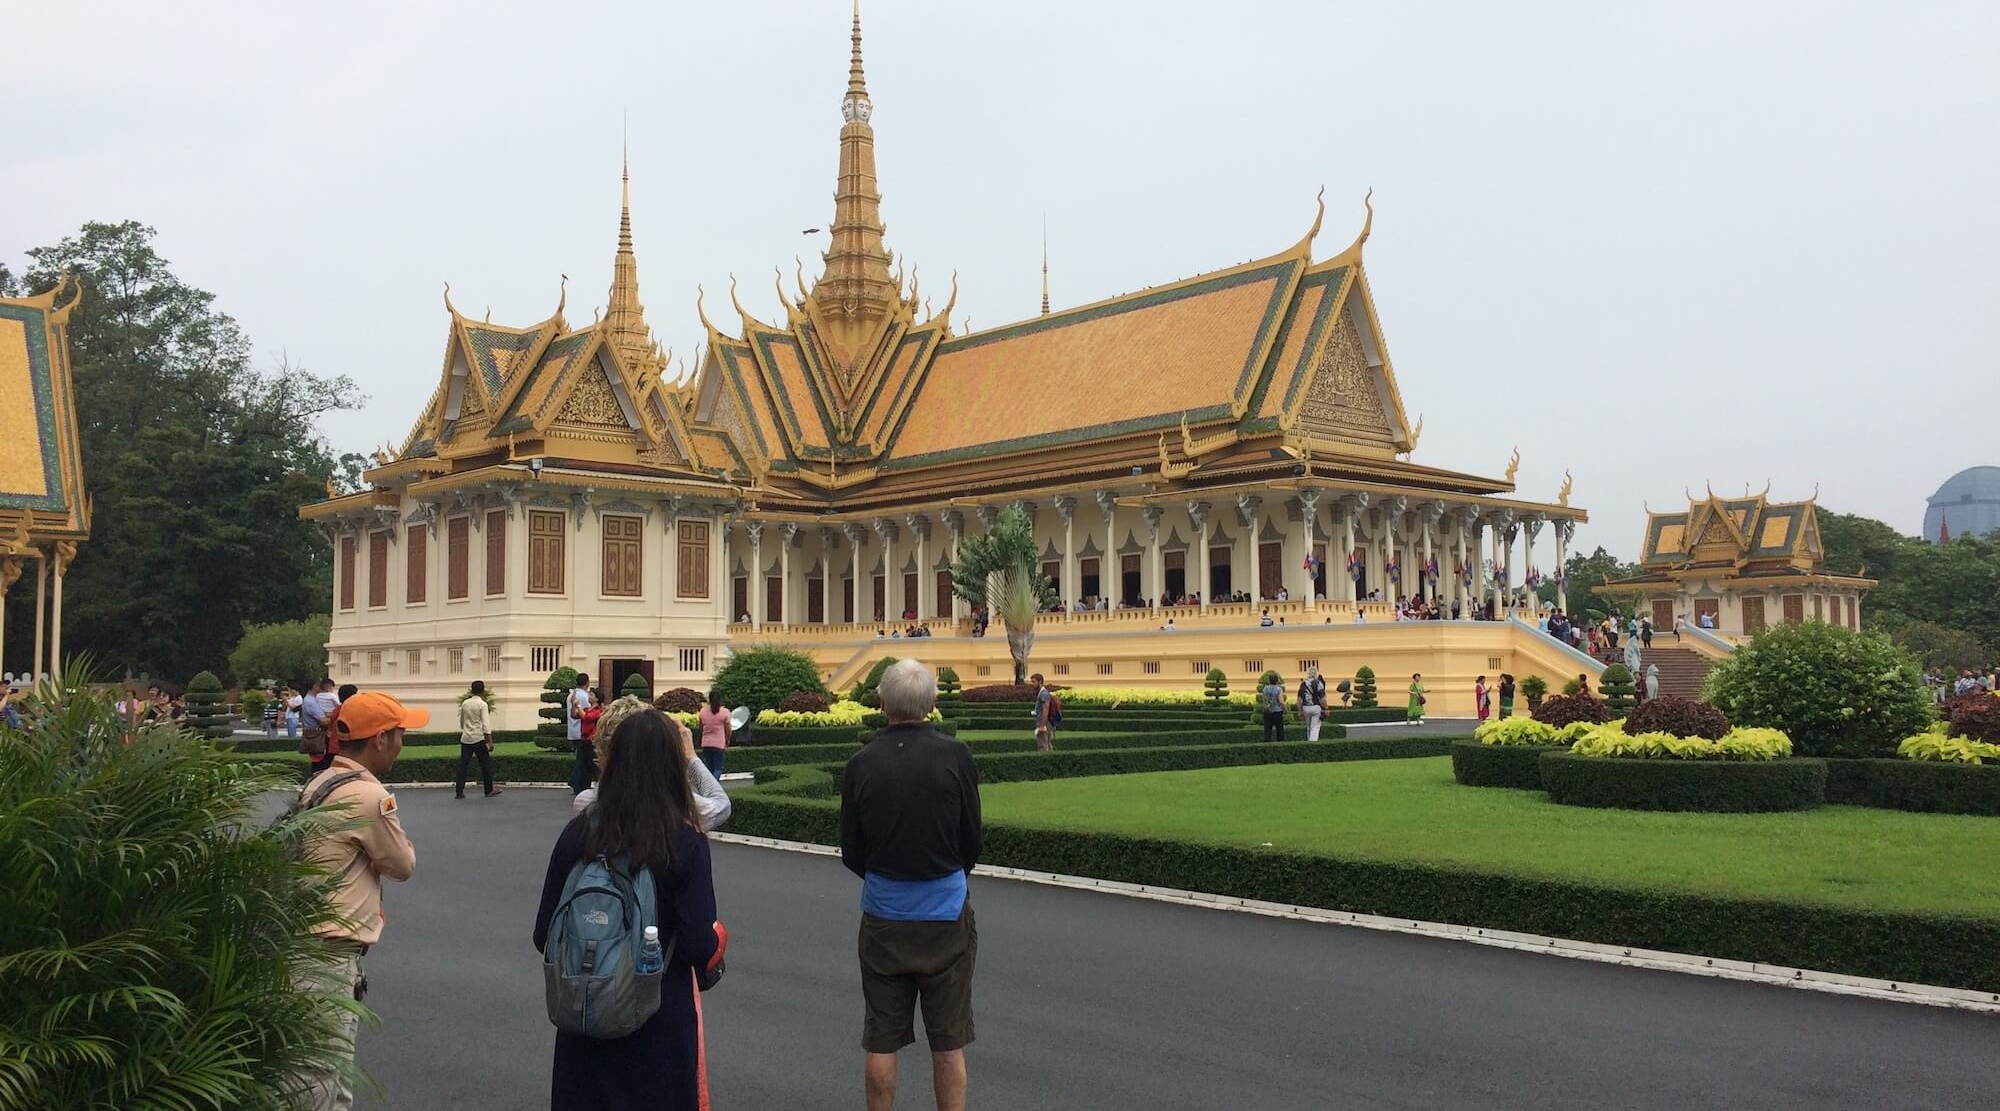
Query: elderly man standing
910	828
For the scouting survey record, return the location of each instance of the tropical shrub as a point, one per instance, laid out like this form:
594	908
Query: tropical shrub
1736	744
1364	689
1977	717
1135	697
844	712
153	924
1566	708
253	705
1533	689
1573	687
1682	717
687	700
1936	746
804	702
1268	678
1835	692
636	685
1515	732
760	677
1216	686
1618	685
207	709
552	726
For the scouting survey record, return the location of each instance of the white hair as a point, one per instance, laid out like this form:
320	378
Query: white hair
908	691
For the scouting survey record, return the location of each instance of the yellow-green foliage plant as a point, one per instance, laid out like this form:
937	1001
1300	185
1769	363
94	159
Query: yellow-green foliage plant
1935	746
1738	744
1516	732
1146	696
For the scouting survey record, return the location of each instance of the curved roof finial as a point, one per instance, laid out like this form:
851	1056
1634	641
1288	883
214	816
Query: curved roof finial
778	272
950	302
1303	248
804	293
1767	489
1352	254
562	298
448	306
741	311
1711	490
699	295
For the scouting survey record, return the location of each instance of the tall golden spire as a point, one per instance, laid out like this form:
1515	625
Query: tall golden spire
625	317
856	292
1045	265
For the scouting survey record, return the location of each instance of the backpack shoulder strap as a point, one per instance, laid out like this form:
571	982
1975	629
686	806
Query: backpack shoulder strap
333	783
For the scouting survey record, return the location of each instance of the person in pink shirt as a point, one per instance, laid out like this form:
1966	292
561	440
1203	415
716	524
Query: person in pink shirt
715	732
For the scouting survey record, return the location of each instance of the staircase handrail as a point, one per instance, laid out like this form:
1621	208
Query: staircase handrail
1708	637
1595	665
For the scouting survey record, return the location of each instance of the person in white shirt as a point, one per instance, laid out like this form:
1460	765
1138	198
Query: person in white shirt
475	738
711	802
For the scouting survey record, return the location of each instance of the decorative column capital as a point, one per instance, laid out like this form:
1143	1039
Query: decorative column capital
1246	509
579	504
1309	498
885	527
756	531
1151	515
954	523
856	533
1533	524
792	534
987	514
1107	500
1066	505
1198	513
920	525
827	538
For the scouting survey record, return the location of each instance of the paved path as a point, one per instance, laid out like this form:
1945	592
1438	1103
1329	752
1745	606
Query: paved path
1089	1001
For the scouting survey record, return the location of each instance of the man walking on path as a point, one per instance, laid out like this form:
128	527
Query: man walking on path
910	828
1312	701
585	767
475	738
363	845
1046	714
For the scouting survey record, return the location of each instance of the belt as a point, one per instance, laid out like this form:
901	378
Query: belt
345	945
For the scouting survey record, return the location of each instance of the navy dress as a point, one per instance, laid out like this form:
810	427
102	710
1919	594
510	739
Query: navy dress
659	1065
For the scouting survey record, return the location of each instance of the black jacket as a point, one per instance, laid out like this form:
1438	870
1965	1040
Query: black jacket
909	805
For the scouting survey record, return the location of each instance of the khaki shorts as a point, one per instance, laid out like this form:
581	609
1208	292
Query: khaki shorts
903	963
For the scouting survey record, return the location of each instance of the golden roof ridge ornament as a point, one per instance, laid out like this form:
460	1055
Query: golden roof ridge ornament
1562	495
1045	264
1513	465
1416	434
1195	449
1303	248
1170	470
748	320
448	306
1352	255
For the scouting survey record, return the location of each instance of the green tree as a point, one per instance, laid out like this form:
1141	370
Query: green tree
195	461
286	651
636	685
1365	696
1942	649
1002	571
1584	574
153	923
761	676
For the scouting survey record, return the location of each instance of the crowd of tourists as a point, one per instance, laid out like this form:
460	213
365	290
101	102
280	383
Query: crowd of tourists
627	925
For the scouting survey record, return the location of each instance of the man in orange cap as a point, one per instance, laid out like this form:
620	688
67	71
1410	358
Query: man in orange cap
364	844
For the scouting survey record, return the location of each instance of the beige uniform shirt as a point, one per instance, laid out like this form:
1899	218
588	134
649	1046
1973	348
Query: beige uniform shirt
373	847
472	727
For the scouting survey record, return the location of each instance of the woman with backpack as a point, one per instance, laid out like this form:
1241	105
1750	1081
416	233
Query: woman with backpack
643	820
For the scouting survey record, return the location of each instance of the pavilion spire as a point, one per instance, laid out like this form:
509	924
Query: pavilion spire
1045	265
856	291
624	315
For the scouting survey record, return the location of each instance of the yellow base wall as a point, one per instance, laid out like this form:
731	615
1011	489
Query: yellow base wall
1449	654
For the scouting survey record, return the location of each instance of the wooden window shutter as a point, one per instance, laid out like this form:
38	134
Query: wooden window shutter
417	550
496	552
622	556
692	561
545	552
347	554
378	568
458	557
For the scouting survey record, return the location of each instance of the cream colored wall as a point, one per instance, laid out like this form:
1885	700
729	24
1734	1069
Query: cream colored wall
582	621
1729	599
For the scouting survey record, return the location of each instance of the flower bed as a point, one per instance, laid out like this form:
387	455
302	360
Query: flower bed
1737	744
1715	785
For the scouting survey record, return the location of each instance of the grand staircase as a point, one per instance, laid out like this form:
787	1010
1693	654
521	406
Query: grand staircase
1682	670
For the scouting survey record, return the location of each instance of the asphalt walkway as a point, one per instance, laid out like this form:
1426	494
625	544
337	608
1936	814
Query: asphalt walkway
1090	1001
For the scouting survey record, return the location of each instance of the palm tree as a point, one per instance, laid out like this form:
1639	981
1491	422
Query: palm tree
999	570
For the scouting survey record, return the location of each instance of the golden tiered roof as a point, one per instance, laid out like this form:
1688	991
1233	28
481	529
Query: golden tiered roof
861	394
42	498
1735	539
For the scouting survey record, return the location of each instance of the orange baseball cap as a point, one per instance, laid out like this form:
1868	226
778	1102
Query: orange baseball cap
372	713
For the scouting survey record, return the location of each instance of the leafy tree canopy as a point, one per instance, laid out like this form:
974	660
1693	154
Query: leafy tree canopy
195	461
1955	586
283	651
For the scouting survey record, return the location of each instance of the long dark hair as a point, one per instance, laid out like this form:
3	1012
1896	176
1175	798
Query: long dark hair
642	794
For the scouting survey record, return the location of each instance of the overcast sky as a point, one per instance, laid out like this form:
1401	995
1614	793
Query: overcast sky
1658	244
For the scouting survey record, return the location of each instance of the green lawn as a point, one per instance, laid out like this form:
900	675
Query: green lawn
1411	810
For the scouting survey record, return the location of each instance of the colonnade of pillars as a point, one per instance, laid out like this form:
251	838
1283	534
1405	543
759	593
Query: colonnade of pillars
50	565
1329	544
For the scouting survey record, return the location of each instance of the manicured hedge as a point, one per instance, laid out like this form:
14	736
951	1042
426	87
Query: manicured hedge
1721	786
1923	785
1478	765
282	743
1906	948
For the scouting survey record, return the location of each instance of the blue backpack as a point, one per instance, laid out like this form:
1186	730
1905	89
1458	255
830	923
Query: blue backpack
590	975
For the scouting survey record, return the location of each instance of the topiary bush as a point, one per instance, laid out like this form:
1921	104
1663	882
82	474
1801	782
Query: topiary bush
1533	688
1834	691
207	709
1618	686
951	694
1364	689
760	677
1977	717
552	728
1574	686
1682	717
637	686
1566	708
679	700
804	702
1217	688
866	691
153	920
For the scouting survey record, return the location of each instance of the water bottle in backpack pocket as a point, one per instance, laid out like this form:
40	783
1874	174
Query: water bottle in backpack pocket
594	966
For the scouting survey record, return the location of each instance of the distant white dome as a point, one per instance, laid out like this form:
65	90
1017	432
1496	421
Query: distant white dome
1968	503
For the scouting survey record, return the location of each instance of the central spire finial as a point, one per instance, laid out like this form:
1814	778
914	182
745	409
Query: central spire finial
857	85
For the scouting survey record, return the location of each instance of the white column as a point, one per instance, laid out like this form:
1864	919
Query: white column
1247	506
1563	529
892	575
755	586
1198	513
920	527
1308	514
1428	586
827	543
40	664
1069	588
1110	565
1529	528
1458	592
1156	579
787	537
856	536
65	551
10	570
954	524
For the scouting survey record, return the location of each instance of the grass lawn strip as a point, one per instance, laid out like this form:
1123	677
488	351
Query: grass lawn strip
1410	811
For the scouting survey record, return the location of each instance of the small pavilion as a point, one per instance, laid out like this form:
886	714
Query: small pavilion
44	510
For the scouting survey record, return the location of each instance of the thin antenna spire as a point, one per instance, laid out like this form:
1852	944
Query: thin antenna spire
1045	259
